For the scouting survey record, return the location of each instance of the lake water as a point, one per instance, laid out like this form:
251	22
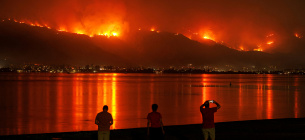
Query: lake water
47	103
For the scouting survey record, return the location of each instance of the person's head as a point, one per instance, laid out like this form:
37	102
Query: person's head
105	108
207	105
154	107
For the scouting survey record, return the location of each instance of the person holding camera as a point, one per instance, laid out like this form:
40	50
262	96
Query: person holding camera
208	126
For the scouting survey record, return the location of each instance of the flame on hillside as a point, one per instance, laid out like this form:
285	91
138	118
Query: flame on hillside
111	30
117	29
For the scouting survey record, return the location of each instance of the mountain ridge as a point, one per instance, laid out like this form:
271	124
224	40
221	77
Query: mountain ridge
25	43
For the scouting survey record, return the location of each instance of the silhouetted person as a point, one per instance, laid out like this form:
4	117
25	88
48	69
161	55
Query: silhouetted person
155	131
104	121
208	126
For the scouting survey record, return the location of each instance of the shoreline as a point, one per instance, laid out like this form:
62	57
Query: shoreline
288	128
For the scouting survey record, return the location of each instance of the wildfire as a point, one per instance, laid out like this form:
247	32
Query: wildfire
258	49
62	30
242	48
115	29
206	37
107	34
207	34
108	30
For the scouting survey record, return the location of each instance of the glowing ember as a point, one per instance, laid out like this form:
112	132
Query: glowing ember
270	42
206	37
298	35
152	29
79	32
258	49
270	35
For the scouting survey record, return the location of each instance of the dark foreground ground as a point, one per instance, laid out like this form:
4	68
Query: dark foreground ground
289	129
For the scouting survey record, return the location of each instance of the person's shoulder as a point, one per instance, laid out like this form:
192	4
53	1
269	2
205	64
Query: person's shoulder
104	113
159	114
99	114
155	112
215	108
149	115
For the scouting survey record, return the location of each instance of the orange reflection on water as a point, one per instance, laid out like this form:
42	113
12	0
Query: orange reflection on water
269	97
260	101
19	105
31	105
205	95
113	103
241	104
46	103
59	100
296	97
77	101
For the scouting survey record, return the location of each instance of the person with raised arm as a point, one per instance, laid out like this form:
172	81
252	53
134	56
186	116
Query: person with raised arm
208	126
